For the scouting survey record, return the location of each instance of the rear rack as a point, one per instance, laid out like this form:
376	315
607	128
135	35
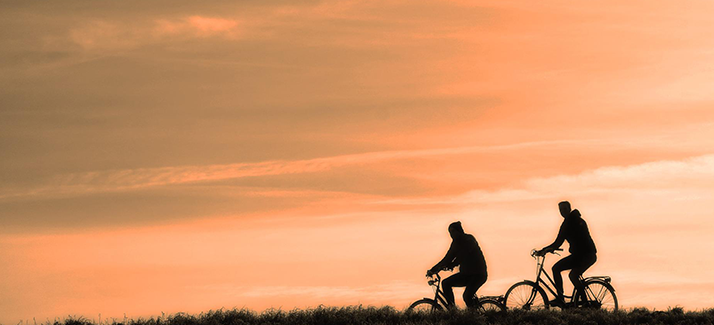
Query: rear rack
600	277
496	298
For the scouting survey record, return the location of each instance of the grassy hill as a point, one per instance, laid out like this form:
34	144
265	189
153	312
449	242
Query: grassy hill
388	315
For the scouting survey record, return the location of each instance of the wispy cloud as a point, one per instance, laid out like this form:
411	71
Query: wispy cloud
105	35
669	178
128	179
198	26
109	35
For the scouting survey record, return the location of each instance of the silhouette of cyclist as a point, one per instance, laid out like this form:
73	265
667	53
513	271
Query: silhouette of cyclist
466	253
583	253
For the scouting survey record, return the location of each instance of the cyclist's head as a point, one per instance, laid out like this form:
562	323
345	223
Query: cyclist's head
564	207
455	229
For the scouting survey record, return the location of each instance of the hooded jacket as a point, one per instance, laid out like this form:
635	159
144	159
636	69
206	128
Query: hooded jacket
464	252
575	230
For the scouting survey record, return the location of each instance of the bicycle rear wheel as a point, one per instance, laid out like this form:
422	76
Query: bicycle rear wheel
525	295
425	305
490	305
601	295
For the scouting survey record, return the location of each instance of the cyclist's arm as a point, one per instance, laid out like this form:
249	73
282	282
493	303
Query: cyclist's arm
558	240
447	261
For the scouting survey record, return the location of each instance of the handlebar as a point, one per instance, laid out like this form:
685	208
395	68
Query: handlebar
434	280
535	252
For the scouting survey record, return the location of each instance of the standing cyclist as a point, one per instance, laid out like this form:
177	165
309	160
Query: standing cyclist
582	251
466	253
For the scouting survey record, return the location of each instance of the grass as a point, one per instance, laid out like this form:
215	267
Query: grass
388	315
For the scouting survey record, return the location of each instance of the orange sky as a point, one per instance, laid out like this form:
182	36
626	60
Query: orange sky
184	156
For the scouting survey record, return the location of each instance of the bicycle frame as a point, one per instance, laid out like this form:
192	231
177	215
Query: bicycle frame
550	285
440	299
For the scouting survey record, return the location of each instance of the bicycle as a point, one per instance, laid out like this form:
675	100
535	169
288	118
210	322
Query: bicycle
485	303
531	295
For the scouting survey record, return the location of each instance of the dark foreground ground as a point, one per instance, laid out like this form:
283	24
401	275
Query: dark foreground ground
391	316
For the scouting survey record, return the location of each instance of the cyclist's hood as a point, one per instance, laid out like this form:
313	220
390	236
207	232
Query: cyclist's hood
574	214
455	229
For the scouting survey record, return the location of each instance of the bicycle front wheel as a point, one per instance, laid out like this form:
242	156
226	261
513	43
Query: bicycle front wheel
525	295
601	295
425	305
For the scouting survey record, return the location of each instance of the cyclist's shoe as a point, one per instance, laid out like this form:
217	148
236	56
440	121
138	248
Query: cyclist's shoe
591	305
557	302
473	304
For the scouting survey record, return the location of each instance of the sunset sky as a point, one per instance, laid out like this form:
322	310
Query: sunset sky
182	156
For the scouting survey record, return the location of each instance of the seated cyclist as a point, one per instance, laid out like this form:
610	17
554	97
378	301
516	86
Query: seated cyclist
466	253
582	251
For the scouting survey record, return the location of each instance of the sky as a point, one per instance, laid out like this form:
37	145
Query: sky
182	156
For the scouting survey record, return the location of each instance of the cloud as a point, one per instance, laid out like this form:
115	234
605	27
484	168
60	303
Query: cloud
197	26
112	35
668	178
210	25
104	35
128	179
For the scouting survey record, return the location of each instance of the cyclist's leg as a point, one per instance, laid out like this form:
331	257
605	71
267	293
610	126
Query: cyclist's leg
582	263
565	263
456	280
477	280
